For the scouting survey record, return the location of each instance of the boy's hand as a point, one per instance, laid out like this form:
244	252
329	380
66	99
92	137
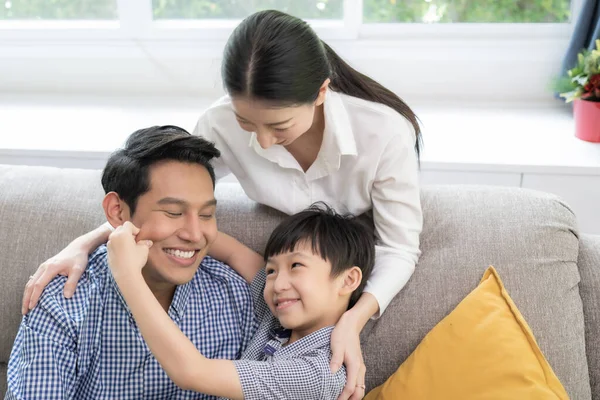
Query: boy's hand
125	255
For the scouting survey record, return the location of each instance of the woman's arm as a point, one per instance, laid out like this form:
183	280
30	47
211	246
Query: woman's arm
177	355
398	222
71	262
241	258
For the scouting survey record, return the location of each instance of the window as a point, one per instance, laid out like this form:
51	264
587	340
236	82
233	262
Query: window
505	50
456	11
58	9
238	9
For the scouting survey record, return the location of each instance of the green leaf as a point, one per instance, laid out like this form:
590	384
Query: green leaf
572	95
581	79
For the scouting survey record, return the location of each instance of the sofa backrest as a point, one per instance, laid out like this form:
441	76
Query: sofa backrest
528	236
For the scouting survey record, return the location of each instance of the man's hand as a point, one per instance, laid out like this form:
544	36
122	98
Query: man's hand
125	255
345	348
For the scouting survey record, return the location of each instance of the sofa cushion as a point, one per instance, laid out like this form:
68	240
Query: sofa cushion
529	237
42	210
483	350
589	268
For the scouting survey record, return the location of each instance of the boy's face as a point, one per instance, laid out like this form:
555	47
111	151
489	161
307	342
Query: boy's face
301	292
178	215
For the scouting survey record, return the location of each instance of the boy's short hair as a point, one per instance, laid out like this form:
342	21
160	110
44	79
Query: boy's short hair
127	171
342	240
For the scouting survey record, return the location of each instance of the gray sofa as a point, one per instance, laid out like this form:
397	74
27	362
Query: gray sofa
551	272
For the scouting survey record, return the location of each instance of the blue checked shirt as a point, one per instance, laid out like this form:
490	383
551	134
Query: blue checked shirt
270	370
89	347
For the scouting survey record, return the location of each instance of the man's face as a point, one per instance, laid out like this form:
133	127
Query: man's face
178	215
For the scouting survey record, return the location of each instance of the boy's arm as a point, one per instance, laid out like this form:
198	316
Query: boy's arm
241	258
177	355
43	360
306	376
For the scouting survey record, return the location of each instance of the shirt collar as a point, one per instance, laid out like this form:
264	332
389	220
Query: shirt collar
337	124
178	304
338	138
279	337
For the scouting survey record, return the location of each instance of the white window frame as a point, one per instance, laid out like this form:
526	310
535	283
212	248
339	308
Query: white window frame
136	34
135	22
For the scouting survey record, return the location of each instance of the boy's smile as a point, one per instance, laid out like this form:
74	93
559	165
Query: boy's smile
301	292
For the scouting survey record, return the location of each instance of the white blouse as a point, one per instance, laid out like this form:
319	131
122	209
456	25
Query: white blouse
367	161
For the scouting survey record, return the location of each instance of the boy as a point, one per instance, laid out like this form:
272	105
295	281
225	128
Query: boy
316	265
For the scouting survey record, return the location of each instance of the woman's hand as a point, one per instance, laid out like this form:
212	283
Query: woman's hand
125	255
70	262
345	347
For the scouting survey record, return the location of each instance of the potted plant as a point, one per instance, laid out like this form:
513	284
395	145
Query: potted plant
582	87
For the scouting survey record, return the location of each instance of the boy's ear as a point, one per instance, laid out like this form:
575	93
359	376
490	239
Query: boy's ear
115	209
352	279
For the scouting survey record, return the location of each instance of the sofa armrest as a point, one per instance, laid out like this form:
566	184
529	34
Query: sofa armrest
589	288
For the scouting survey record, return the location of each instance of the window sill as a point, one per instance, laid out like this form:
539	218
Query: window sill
82	132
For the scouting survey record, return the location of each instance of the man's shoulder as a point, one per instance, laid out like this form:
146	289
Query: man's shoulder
216	270
92	282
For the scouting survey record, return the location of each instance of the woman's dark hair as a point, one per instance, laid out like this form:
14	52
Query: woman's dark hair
342	240
127	171
276	57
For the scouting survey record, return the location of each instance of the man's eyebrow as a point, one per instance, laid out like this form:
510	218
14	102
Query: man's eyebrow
180	202
210	203
172	200
271	124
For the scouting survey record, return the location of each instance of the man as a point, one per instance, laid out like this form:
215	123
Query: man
88	346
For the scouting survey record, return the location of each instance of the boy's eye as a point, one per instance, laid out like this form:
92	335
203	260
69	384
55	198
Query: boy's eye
206	216
172	214
269	271
281	129
296	264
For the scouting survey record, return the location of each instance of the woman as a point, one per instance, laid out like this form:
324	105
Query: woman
299	125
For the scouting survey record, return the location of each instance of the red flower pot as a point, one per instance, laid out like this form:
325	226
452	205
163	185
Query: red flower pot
587	120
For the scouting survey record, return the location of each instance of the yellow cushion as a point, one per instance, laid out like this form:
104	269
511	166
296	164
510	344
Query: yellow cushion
483	350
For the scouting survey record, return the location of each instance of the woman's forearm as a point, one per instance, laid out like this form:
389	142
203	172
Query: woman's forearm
363	310
238	256
91	240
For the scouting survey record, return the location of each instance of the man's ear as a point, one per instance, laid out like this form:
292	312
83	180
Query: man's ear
352	279
322	91
115	209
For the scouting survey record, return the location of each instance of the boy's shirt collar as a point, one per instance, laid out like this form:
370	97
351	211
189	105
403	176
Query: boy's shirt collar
276	346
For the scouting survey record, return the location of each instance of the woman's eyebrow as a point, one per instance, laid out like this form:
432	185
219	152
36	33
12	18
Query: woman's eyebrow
279	123
271	124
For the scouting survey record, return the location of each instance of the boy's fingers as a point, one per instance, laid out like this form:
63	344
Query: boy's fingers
131	227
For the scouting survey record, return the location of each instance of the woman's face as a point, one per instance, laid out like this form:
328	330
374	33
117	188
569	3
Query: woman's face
274	124
281	125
